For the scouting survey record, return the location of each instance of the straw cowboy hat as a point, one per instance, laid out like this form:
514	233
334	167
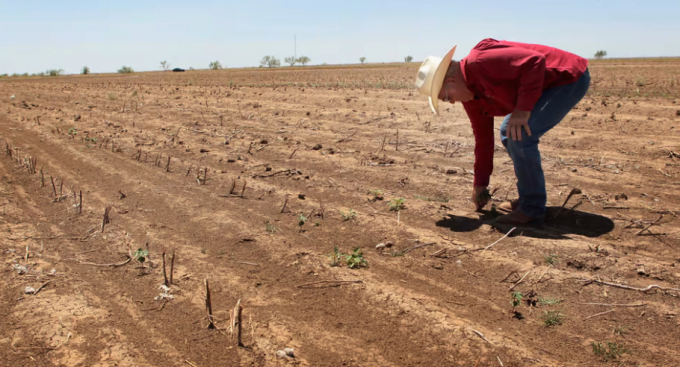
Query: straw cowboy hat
431	77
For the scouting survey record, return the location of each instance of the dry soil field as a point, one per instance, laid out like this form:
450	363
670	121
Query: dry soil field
252	177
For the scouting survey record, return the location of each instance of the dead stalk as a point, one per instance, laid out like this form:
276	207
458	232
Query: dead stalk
165	274
208	306
105	220
172	265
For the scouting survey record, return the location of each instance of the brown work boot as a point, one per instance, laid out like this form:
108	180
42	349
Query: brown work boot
515	218
509	206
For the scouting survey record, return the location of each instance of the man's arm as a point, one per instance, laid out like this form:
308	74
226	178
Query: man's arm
482	127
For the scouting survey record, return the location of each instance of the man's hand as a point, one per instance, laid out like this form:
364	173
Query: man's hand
518	120
481	196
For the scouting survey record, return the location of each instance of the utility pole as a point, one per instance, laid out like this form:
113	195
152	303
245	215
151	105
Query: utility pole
295	42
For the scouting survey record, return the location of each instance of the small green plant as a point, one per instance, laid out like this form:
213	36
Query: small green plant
397	204
203	251
553	318
621	330
302	220
356	259
377	194
270	227
73	132
126	70
351	214
551	258
140	255
335	257
516	299
549	301
609	350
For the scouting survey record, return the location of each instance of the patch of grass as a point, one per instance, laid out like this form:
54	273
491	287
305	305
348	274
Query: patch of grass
609	350
112	96
551	258
621	330
553	318
335	257
397	204
351	214
356	259
270	227
549	301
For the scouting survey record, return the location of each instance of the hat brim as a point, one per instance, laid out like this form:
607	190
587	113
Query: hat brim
438	80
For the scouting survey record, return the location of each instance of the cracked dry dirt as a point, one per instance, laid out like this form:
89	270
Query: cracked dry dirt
320	140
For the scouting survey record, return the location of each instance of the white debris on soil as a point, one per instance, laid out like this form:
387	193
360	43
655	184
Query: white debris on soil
286	353
165	293
29	290
12	97
384	245
20	269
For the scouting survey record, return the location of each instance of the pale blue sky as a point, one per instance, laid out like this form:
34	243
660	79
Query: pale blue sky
46	34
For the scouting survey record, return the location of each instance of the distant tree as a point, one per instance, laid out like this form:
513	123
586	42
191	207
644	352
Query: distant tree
85	70
215	65
53	72
303	60
165	65
270	61
600	54
408	59
362	59
126	70
290	60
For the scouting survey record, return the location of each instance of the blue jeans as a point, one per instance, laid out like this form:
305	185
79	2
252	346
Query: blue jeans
550	109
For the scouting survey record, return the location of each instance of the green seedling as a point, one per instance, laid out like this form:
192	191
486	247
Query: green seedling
140	255
270	227
516	299
356	259
551	259
351	214
335	256
73	131
621	330
553	318
397	204
377	194
302	220
609	350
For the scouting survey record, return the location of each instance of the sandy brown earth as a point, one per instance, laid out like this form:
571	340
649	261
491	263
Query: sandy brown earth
249	151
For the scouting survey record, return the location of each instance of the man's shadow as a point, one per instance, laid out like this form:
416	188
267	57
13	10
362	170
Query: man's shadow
566	223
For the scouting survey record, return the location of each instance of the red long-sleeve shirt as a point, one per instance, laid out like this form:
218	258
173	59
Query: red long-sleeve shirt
505	76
